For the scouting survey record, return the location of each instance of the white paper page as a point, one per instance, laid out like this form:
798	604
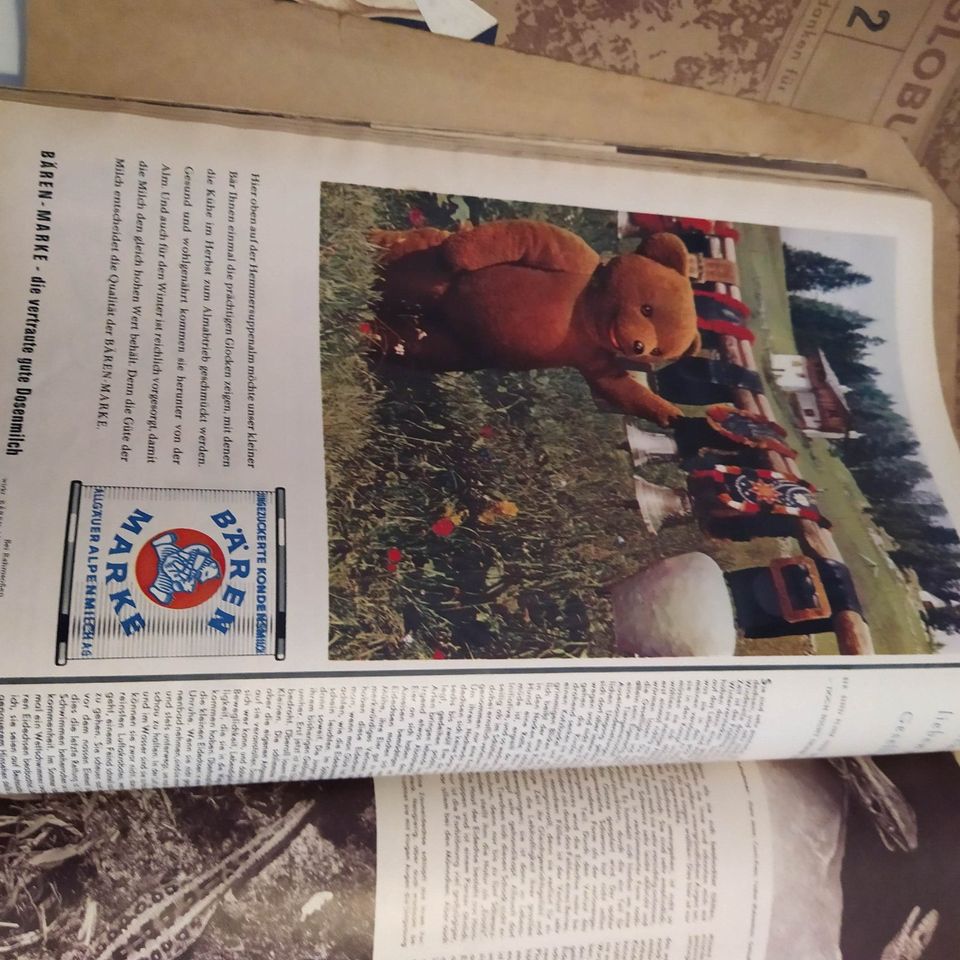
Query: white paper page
11	56
118	437
666	862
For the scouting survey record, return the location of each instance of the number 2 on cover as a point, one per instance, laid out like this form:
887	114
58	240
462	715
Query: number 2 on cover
858	13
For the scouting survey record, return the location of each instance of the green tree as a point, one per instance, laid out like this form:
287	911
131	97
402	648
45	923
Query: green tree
809	270
839	333
945	618
884	459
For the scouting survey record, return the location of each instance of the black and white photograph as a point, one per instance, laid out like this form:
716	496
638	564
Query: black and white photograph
284	870
864	858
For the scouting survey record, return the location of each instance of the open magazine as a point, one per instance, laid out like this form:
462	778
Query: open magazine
786	860
333	454
537	477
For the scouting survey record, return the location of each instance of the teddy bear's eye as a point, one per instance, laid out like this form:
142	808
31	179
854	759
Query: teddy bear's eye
646	310
638	347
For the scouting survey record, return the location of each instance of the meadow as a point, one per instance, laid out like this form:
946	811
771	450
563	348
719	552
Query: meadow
890	597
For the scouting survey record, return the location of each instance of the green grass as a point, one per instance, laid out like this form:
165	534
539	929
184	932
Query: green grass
889	599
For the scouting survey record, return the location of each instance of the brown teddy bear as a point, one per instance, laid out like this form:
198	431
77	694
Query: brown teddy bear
524	295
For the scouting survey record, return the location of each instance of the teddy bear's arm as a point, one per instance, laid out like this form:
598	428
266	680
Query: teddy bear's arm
529	243
631	397
394	244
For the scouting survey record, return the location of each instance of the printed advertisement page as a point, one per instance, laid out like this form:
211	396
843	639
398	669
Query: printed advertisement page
795	860
318	410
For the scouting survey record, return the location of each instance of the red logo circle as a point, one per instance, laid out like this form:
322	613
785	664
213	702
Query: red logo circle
180	568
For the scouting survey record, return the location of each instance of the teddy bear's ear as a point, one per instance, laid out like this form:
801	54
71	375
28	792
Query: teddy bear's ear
668	249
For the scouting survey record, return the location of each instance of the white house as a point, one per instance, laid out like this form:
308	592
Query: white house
817	397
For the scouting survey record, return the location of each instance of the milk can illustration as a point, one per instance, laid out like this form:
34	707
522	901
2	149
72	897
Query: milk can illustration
170	572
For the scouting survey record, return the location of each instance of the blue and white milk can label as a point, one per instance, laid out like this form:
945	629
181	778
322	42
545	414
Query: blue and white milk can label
164	572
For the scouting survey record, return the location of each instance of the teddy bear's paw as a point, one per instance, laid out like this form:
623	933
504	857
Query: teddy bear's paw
665	413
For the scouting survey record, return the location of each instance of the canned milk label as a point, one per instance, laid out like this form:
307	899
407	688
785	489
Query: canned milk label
165	572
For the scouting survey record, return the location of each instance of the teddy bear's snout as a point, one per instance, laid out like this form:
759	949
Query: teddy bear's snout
640	348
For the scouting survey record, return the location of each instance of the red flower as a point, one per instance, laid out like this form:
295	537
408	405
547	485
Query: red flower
365	328
486	431
391	568
439	655
394	555
444	527
416	217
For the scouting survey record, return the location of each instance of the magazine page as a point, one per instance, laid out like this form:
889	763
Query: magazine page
334	457
793	860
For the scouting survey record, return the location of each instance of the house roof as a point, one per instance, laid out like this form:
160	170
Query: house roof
833	381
